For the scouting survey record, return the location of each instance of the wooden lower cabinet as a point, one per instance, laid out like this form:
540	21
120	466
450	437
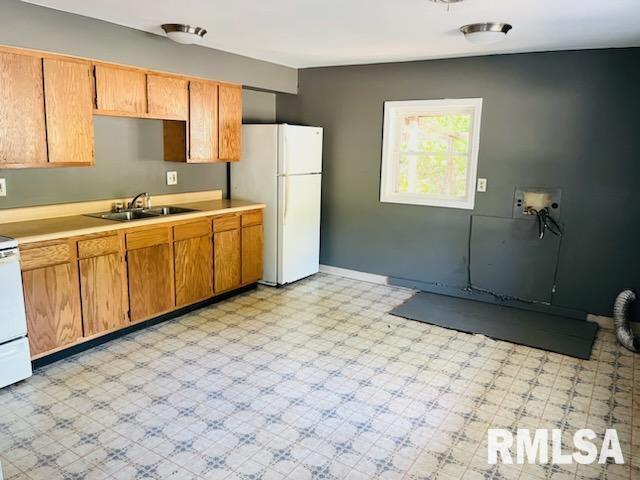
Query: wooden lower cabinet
102	291
226	260
52	306
78	288
151	287
194	269
252	254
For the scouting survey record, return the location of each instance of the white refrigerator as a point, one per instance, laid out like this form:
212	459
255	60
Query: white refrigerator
281	166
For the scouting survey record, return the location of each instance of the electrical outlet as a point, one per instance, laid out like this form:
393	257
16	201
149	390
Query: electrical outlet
172	178
482	184
3	187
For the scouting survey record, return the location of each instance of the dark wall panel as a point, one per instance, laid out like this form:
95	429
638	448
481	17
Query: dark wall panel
508	258
555	120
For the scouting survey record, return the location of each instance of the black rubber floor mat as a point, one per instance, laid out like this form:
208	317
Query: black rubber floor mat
563	335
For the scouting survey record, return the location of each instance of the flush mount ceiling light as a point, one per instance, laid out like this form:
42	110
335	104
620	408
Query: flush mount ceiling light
486	33
448	3
181	33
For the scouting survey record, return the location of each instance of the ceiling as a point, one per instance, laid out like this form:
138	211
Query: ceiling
306	33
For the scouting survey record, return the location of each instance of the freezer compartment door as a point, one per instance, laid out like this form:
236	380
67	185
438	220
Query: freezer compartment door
13	323
298	227
15	362
300	150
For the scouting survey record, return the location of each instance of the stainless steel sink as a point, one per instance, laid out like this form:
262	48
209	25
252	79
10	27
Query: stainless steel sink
125	216
139	214
167	210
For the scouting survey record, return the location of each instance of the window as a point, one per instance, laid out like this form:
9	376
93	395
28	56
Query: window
430	152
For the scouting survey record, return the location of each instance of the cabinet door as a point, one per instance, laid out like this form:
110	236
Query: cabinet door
194	270
230	131
52	305
150	272
22	126
168	97
226	262
121	90
203	122
251	254
68	92
102	293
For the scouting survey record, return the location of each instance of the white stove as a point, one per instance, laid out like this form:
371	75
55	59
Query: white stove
15	358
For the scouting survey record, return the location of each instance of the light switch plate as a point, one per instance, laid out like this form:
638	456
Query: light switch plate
172	178
482	184
3	187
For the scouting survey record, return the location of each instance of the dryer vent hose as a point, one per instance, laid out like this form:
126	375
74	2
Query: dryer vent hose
621	317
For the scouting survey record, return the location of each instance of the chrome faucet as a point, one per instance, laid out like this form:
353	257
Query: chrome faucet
132	203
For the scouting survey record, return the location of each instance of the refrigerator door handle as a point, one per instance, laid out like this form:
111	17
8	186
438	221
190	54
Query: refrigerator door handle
284	153
286	196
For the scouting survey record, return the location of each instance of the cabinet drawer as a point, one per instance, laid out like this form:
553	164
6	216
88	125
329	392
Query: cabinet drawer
148	238
228	222
192	230
98	246
40	257
252	218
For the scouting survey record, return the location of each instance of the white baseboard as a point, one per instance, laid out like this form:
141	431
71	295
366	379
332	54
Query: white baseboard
355	275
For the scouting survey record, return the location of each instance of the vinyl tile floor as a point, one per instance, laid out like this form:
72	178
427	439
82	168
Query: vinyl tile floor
311	381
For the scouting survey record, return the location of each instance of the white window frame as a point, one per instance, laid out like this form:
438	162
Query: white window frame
389	171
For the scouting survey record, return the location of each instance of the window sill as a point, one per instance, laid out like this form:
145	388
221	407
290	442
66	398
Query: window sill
427	202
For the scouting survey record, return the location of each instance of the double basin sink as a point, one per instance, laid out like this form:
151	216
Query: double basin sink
140	213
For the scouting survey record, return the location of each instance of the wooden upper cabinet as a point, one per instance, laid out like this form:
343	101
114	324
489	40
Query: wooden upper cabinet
121	90
203	122
230	122
68	92
168	97
22	123
48	101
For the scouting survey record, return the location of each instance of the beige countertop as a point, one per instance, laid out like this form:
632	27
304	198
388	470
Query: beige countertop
70	226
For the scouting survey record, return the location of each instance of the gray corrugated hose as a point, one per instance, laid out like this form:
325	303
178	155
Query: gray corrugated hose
621	318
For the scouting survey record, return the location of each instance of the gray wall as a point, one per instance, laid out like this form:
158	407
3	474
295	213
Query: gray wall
129	151
567	119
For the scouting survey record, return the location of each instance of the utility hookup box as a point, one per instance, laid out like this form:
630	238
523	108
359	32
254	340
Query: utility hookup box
536	199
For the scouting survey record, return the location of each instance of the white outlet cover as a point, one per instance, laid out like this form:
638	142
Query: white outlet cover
3	187
482	184
172	178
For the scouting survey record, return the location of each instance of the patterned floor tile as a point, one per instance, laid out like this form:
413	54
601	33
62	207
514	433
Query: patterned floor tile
314	380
